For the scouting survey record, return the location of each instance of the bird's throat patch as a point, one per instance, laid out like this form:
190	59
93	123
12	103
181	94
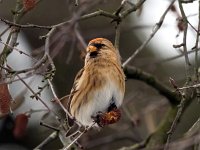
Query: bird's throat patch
93	54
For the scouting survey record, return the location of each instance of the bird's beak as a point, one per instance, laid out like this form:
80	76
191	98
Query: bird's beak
92	49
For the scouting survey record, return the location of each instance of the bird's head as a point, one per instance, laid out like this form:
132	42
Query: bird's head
99	45
102	48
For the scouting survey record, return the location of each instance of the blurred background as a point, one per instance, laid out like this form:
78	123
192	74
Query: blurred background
143	106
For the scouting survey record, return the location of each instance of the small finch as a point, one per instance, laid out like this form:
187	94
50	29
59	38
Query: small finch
99	87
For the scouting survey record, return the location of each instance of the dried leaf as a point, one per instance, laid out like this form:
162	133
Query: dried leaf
5	99
21	122
29	4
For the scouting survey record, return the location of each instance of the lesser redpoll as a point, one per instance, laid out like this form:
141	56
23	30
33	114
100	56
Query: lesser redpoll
99	87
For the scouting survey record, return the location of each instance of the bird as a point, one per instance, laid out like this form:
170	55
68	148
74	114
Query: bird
99	87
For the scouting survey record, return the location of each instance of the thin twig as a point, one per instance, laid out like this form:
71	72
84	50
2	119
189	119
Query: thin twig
197	58
4	31
138	146
173	58
18	50
185	143
185	24
49	139
192	26
86	129
57	99
37	97
120	7
24	26
117	36
155	29
134	7
181	107
187	1
12	38
196	48
47	49
32	69
80	37
194	128
31	111
71	50
84	17
189	87
76	2
48	126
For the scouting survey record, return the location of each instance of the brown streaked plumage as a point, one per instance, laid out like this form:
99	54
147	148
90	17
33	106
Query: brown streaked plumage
99	85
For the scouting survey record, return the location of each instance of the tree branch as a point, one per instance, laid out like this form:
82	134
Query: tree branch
137	74
155	29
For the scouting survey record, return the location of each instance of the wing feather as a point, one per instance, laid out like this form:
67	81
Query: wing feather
74	87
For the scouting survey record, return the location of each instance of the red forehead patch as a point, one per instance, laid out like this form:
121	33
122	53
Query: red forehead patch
97	40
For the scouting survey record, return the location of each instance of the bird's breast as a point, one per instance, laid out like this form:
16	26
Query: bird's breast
99	86
98	101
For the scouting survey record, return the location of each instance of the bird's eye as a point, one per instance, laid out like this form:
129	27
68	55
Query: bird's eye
98	45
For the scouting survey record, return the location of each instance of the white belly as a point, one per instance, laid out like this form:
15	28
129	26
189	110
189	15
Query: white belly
100	103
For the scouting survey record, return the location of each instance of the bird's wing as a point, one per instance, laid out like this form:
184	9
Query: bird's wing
74	87
66	100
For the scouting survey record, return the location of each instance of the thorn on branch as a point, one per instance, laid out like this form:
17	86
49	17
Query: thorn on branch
173	8
193	48
14	12
117	12
159	24
76	2
171	80
35	95
49	126
181	24
174	84
178	46
43	37
16	44
120	7
81	133
117	20
187	1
